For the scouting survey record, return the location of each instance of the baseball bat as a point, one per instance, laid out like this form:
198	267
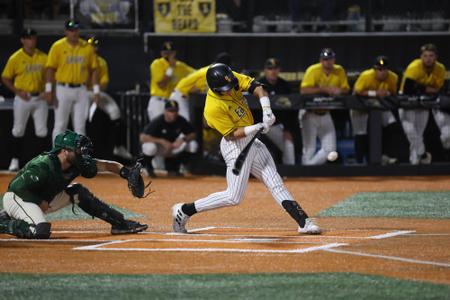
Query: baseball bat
243	155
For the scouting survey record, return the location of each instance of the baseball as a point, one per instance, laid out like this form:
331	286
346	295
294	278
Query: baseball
332	156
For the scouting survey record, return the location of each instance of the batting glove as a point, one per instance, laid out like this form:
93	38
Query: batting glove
268	117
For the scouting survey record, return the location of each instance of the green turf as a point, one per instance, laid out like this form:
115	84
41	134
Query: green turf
261	286
67	214
435	205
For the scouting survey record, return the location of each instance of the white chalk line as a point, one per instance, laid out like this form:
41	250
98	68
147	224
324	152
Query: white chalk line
390	234
236	250
397	258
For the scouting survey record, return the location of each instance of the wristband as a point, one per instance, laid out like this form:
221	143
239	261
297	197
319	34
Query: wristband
372	93
169	72
48	87
265	102
124	172
248	130
96	88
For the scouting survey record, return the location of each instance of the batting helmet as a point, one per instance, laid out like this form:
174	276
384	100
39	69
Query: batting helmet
220	78
70	140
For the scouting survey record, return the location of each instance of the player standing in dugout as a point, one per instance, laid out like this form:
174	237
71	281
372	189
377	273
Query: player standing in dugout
24	76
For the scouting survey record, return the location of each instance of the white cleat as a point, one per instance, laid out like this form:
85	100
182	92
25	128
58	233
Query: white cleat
310	227
179	218
14	165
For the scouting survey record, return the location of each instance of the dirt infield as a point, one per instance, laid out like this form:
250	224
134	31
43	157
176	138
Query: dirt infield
256	236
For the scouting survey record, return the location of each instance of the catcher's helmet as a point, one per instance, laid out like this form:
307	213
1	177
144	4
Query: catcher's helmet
220	78
70	140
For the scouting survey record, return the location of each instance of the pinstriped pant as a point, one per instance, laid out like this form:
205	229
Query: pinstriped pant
259	163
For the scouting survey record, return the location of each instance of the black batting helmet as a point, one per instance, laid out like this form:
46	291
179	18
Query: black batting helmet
220	78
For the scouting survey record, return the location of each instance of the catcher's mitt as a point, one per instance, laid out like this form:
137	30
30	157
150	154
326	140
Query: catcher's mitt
135	181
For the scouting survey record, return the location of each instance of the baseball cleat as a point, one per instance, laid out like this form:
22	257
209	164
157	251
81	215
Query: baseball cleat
179	219
127	227
310	227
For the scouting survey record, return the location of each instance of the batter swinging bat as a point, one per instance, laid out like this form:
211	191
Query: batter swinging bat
243	155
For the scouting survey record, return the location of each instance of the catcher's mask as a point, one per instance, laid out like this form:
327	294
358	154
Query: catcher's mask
70	140
220	78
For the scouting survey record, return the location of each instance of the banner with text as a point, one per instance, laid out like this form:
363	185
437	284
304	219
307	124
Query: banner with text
185	16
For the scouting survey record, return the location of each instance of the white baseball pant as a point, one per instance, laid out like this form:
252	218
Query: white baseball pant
259	163
106	104
286	146
414	122
152	149
182	103
317	126
30	212
71	101
36	107
155	107
359	120
443	123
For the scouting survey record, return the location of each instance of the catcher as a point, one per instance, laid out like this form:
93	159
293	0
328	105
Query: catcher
44	186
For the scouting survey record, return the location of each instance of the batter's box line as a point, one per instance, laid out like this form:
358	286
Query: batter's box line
293	251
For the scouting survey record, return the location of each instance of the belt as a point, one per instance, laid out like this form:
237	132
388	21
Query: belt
70	85
159	98
34	94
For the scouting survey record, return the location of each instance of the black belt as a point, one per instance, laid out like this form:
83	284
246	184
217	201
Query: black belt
34	94
71	85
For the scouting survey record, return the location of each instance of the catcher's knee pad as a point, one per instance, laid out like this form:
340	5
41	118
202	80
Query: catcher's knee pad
42	230
295	211
149	149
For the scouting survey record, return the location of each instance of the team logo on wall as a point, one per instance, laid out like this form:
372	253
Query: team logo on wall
204	8
164	8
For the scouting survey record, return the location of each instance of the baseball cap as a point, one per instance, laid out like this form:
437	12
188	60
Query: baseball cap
72	25
327	53
171	105
272	63
93	41
168	46
28	32
381	62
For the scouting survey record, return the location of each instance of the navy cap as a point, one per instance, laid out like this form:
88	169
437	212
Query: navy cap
168	46
28	32
327	53
381	62
272	63
171	105
72	25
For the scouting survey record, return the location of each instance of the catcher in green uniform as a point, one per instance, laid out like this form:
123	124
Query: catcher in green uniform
44	186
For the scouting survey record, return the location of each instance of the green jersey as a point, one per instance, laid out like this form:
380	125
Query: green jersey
41	179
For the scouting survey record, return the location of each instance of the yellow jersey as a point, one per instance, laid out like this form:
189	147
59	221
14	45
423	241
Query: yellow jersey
225	113
367	81
157	71
103	73
73	64
316	77
195	81
417	72
26	71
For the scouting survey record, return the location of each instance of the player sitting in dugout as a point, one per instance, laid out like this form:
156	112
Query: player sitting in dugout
44	186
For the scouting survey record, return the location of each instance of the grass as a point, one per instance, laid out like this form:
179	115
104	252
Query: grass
434	205
248	286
